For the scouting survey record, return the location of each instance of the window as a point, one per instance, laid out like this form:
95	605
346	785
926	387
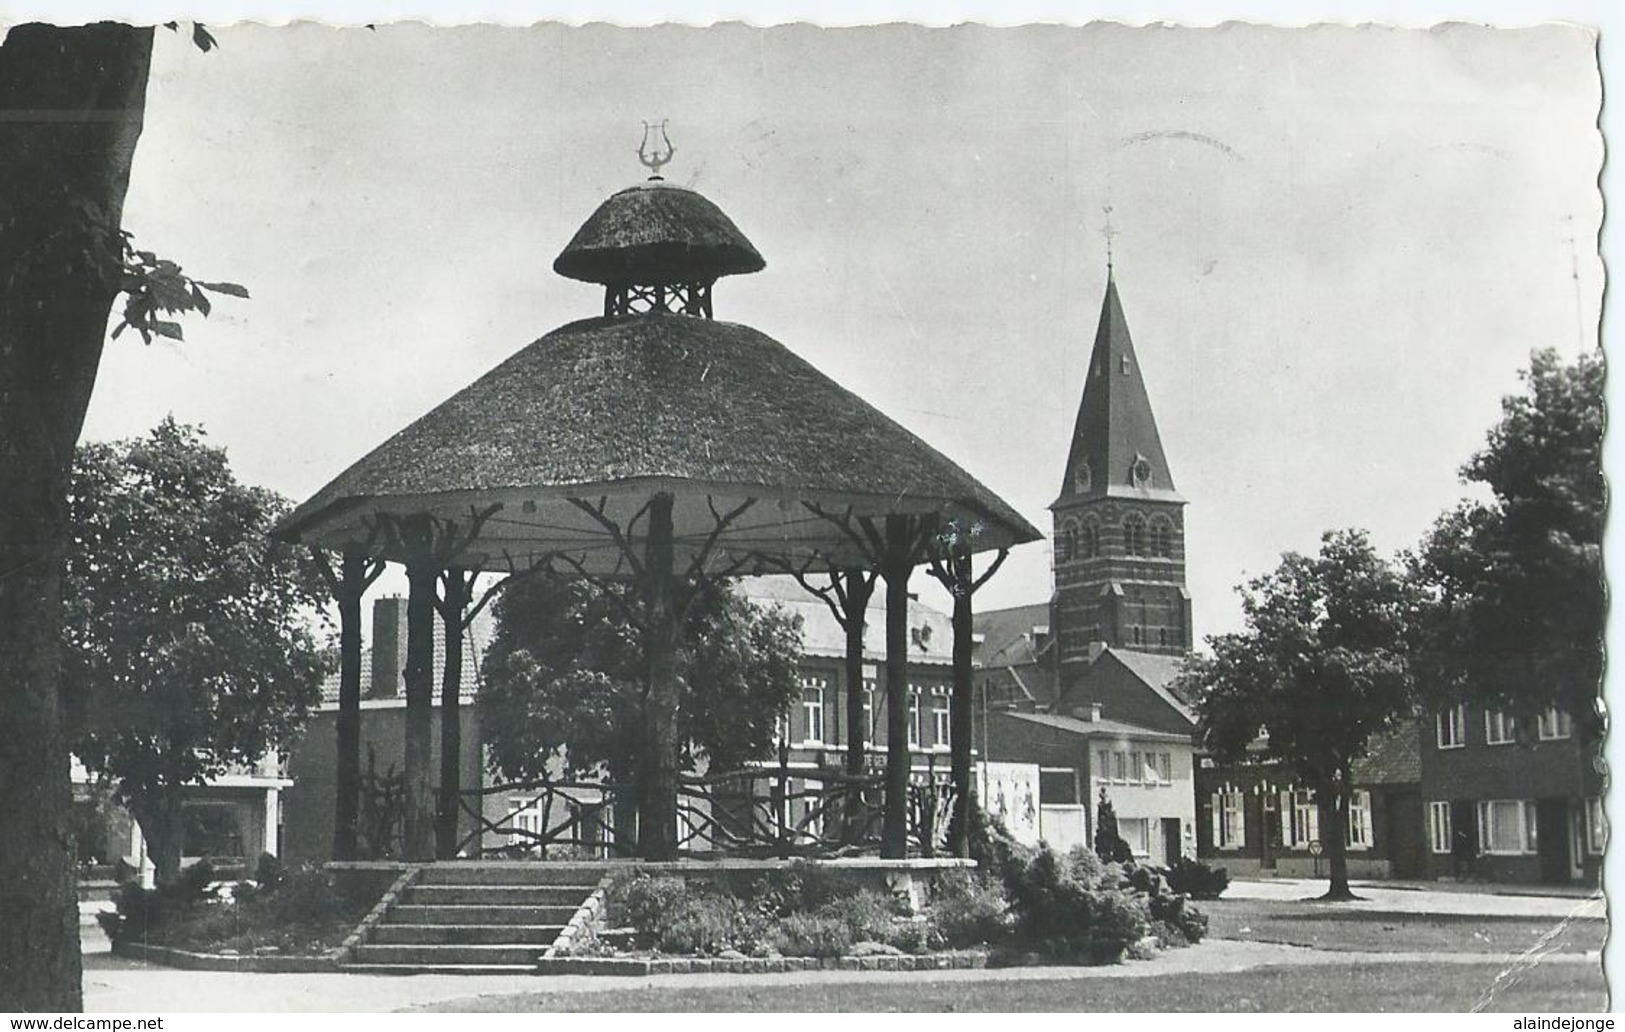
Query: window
1103	765
1498	728
1167	768
914	726
1136	766
1136	831
1596	827
1359	819
812	709
1089	540
869	710
1229	820
1134	535
1450	727
1439	827
939	716
1057	786
1082	477
1506	826
525	820
1155	773
1119	766
1067	547
1303	824
1162	539
1553	725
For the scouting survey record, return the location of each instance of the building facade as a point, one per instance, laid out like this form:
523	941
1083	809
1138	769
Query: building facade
1509	802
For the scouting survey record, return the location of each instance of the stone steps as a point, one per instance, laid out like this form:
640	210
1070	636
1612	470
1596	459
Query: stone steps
498	895
465	934
475	918
480	913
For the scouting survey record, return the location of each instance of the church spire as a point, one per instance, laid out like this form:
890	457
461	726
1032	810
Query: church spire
1116	451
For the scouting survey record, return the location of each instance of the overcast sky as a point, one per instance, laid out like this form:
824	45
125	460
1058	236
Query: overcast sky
1335	247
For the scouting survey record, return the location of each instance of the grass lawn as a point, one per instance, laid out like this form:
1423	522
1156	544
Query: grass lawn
1365	987
1324	927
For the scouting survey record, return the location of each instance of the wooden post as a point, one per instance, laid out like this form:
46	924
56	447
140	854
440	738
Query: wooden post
657	817
957	574
959	712
419	676
356	574
453	604
897	565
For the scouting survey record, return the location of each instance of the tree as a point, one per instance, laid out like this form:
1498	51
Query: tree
1321	666
566	682
186	647
1109	845
1515	596
63	262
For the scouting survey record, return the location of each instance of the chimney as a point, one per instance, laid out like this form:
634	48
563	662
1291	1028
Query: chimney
388	647
1091	712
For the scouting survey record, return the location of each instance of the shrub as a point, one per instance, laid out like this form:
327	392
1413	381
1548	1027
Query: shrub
269	871
1077	908
646	903
140	912
1196	879
812	935
968	910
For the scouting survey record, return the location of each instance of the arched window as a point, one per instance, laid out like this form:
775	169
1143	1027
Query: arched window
1066	545
1089	539
1162	538
1134	542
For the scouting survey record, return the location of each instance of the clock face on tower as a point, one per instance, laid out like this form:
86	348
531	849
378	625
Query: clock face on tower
1140	472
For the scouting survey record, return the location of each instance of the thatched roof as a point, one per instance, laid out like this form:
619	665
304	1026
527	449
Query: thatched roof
657	233
613	409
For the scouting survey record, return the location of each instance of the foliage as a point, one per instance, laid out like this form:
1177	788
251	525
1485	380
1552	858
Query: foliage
186	645
565	679
1322	665
969	910
1197	879
139	913
1109	845
1076	907
789	913
305	911
992	846
1516	599
1181	924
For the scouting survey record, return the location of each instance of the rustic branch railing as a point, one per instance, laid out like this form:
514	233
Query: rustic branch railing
774	810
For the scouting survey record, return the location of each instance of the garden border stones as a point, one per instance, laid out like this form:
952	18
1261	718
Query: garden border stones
643	966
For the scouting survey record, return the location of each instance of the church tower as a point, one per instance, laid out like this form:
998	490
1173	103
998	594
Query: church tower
1119	522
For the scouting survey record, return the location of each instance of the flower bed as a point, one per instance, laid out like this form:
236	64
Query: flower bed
302	914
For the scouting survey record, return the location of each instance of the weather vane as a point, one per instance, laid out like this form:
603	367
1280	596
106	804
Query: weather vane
654	160
1109	233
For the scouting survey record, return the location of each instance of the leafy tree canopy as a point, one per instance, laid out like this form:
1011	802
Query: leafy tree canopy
565	679
1516	600
186	643
1321	666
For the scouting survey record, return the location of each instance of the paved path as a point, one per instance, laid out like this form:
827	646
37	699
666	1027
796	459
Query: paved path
1376	896
113	985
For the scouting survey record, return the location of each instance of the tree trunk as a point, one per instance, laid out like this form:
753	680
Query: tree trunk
859	587
160	814
347	768
454	605
899	565
1333	804
419	677
657	817
959	714
72	101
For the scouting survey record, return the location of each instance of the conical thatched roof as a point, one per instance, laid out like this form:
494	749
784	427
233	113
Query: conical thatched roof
657	233
611	409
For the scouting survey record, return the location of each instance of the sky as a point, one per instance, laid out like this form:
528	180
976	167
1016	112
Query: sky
1335	247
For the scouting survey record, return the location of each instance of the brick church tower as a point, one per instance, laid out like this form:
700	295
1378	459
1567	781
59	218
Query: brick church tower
1119	522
